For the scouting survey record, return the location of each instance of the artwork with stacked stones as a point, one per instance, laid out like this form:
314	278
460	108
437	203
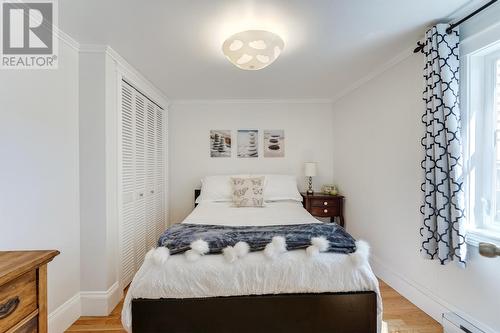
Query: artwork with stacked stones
274	143
220	143
248	143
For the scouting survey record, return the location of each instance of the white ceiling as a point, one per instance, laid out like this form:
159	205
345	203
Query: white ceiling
329	44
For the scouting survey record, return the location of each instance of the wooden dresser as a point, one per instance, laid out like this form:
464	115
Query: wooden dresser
23	290
325	205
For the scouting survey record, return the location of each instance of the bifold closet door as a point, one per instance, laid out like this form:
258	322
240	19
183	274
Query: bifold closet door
128	183
155	206
140	180
142	217
160	171
151	233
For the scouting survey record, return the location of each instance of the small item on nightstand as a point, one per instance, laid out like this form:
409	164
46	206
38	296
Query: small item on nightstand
330	189
310	171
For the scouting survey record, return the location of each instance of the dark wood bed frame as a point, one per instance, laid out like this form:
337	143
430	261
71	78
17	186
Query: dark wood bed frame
349	312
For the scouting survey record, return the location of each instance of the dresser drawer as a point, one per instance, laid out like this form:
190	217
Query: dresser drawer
325	211
18	299
324	203
29	326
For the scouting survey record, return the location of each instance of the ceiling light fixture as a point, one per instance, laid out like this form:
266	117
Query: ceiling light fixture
253	49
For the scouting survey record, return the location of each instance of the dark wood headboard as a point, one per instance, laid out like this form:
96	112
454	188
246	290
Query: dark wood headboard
197	193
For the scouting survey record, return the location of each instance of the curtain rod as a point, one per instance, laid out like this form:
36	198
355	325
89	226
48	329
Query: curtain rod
420	45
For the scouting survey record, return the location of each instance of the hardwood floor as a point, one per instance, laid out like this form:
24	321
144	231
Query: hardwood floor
400	316
109	324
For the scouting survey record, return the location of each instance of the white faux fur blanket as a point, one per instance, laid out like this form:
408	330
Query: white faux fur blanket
164	276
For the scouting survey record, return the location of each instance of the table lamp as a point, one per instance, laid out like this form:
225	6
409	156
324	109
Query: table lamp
310	171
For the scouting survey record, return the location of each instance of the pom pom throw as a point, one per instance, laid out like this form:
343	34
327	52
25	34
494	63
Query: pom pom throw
158	256
318	244
362	253
239	250
198	248
276	247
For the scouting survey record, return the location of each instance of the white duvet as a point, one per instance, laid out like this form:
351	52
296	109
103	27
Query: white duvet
223	213
253	274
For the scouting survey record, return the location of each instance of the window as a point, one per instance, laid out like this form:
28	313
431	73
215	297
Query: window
496	219
481	130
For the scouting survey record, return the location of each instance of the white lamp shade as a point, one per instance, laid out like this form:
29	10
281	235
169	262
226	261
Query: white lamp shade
310	169
253	49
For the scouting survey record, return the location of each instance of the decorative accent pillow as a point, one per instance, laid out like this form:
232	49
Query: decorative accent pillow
248	192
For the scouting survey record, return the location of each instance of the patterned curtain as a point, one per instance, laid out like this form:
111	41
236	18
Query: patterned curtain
443	229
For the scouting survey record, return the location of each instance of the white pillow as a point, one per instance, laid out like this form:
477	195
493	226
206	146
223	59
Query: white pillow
281	188
276	188
217	188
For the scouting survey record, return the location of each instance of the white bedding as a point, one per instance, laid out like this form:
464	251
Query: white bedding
254	274
223	213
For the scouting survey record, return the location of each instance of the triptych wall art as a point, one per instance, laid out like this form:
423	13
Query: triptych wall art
274	143
220	143
247	143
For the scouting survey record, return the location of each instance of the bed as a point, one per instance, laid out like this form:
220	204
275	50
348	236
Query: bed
331	292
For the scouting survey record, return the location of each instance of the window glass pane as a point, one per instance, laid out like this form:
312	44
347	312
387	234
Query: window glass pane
497	142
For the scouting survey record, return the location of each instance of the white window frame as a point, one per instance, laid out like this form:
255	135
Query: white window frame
478	54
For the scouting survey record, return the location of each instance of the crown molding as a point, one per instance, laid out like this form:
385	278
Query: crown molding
465	9
126	68
253	101
374	74
66	39
461	11
479	33
93	48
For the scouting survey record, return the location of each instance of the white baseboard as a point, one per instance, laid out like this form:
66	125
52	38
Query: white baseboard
85	303
419	295
100	303
65	315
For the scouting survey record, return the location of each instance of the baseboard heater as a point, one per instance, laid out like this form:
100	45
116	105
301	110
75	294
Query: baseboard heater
452	323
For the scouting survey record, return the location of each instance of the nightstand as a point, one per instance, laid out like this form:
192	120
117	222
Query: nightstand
325	205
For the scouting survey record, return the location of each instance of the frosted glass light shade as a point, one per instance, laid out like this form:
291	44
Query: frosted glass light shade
310	169
253	49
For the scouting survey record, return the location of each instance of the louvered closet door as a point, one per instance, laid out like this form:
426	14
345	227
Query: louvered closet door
142	203
128	258
160	172
140	179
151	231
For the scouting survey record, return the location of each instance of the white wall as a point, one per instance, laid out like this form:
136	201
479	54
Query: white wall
377	154
308	133
39	199
98	175
93	222
98	170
